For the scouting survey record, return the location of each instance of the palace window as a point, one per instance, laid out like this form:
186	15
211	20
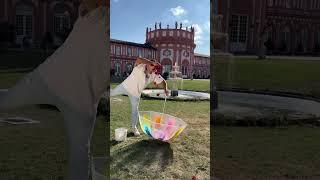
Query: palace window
239	28
183	34
167	68
285	37
140	53
123	50
270	3
152	35
171	33
117	68
184	70
164	33
288	3
178	33
118	50
24	24
61	22
129	68
129	51
149	54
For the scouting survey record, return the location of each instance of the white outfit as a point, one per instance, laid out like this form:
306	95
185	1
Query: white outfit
133	87
73	79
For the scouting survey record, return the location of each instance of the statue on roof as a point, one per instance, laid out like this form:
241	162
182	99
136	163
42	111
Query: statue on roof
160	25
176	24
167	26
180	25
155	25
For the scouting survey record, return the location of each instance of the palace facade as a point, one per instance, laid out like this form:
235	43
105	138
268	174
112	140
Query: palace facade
280	26
169	46
34	19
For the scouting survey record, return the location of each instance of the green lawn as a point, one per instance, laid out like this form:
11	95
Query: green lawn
38	151
246	153
144	158
267	153
294	76
8	79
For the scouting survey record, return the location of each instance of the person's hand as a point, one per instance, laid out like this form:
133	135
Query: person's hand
166	91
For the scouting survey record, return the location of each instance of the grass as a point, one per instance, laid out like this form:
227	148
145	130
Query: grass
38	151
266	153
8	79
143	158
249	153
22	59
295	76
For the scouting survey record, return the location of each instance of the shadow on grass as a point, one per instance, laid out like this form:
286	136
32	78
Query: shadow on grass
141	155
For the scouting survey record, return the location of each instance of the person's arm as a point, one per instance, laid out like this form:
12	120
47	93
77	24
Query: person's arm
165	87
159	81
144	61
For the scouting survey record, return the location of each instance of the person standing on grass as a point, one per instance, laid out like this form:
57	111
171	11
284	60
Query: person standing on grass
73	79
144	72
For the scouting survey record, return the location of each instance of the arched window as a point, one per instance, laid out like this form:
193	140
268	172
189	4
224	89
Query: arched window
285	38
167	68
128	68
184	70
24	22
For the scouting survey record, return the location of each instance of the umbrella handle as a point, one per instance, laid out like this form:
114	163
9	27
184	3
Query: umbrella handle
164	105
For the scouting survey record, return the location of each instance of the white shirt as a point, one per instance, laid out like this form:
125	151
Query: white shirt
138	80
77	71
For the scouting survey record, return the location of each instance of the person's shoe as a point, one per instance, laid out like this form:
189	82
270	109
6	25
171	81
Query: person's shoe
135	131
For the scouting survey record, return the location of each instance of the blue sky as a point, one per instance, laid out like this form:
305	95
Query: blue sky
129	19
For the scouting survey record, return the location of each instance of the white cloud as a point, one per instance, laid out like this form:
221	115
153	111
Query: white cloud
178	11
197	33
185	21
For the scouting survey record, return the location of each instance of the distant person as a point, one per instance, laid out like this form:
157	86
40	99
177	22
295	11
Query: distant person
144	72
73	79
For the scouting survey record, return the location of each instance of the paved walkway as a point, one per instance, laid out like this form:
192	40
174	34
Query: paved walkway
245	104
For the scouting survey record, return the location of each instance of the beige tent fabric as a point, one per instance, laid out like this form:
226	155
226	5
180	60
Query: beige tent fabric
74	78
77	71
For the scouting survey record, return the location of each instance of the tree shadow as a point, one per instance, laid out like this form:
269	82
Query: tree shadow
141	155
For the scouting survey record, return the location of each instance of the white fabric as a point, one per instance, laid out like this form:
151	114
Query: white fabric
138	80
77	71
120	90
73	79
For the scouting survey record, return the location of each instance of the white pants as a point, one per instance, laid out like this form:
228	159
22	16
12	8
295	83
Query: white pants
79	125
120	90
